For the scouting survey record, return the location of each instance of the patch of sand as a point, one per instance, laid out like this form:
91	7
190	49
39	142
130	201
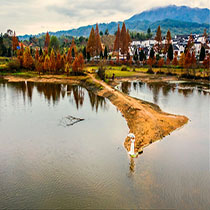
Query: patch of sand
145	120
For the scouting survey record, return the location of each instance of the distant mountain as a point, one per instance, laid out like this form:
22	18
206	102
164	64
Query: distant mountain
173	12
180	20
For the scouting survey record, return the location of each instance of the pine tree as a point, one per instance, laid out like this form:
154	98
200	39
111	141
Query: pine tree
105	53
84	52
152	53
91	43
135	57
54	43
97	41
149	35
202	53
170	52
141	55
47	40
27	59
40	51
158	38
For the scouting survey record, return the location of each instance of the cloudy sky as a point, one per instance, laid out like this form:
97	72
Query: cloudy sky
35	16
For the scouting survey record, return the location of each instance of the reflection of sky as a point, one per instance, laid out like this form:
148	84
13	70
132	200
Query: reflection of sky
175	170
43	165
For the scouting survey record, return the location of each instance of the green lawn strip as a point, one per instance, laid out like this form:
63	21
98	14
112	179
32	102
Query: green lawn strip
119	73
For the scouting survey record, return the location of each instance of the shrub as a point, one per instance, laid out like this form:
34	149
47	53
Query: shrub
14	65
101	73
150	71
124	68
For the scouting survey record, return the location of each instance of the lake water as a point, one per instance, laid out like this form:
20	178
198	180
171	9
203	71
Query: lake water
45	163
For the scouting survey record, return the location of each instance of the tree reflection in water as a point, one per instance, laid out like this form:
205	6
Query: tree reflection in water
54	92
186	89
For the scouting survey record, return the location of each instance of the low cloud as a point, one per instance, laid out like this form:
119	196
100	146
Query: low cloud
35	16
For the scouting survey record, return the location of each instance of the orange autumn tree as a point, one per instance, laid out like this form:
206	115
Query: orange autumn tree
47	40
175	60
187	62
69	56
206	64
190	43
63	61
15	43
47	63
20	54
52	61
58	62
73	49
168	41
78	64
27	59
117	42
98	47
158	38
91	43
160	63
182	60
36	54
123	40
38	65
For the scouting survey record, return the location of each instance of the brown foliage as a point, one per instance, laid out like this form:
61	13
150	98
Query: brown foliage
47	63
123	40
97	41
158	38
15	43
168	41
117	40
52	61
160	62
47	40
36	54
91	43
27	59
78	64
175	61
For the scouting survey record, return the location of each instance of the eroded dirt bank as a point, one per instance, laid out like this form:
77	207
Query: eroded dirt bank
144	119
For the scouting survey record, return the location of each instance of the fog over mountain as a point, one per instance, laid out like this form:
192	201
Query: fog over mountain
179	19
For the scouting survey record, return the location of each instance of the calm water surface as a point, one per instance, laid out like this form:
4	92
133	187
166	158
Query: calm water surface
45	164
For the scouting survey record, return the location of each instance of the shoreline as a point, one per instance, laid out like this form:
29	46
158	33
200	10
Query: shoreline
146	120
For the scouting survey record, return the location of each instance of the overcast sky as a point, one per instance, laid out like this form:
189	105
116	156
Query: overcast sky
35	16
